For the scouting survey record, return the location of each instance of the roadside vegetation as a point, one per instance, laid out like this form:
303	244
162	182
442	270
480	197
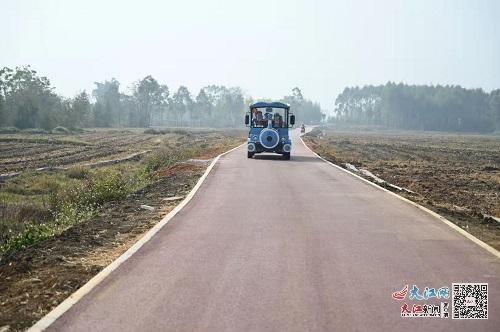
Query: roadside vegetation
458	176
36	205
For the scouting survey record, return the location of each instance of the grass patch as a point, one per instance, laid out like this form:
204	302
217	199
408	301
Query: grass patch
59	200
35	206
78	172
62	202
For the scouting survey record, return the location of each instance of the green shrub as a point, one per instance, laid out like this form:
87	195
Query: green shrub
98	188
163	157
13	217
31	234
108	186
72	214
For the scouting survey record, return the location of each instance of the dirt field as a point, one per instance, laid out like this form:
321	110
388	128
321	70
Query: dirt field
30	151
457	176
36	277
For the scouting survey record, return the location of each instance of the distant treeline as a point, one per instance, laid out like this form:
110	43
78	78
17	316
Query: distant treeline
29	101
446	108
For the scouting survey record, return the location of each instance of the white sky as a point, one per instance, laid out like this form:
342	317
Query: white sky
266	47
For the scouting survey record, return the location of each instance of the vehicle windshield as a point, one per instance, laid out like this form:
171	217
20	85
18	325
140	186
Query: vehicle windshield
260	117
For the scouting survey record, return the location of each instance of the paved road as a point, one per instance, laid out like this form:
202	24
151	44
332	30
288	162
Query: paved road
272	245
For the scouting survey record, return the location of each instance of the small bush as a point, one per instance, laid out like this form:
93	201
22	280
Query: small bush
78	172
72	214
108	186
14	217
60	130
160	158
31	234
8	130
97	189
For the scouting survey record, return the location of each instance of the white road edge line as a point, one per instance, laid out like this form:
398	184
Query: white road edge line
64	306
434	214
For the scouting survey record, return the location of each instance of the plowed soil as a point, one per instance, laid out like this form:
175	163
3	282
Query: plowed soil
457	176
23	151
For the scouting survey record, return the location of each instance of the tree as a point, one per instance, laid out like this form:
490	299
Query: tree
128	105
107	110
234	102
305	110
297	95
494	104
150	96
76	110
227	105
182	103
27	100
450	108
203	107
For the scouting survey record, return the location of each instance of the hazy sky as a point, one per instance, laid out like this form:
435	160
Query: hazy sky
266	47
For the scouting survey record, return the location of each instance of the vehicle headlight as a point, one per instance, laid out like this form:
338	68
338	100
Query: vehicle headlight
282	140
254	138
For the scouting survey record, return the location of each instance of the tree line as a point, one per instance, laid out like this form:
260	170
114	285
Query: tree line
420	107
304	109
28	100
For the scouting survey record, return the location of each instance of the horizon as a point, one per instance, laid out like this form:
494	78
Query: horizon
319	47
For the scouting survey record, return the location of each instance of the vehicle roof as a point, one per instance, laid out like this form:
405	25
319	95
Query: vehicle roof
273	105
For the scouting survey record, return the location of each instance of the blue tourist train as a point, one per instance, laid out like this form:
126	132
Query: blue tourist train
269	124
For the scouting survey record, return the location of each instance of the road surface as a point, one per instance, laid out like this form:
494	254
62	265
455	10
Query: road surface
299	245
